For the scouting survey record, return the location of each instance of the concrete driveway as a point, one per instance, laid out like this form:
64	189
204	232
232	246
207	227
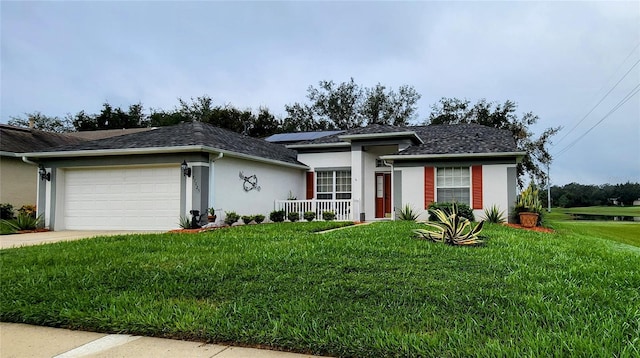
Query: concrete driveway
37	238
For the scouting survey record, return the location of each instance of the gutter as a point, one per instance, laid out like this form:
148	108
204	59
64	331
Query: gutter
26	160
392	157
162	150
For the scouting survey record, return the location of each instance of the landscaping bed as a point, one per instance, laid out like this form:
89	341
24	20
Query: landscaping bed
373	290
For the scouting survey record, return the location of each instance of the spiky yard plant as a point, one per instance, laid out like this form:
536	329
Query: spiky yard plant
24	221
451	229
407	213
494	215
184	222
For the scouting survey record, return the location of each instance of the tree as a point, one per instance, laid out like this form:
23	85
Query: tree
42	122
502	116
111	118
348	105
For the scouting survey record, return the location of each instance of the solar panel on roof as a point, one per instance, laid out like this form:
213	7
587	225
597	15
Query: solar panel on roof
299	136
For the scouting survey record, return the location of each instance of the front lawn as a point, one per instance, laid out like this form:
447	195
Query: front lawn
364	291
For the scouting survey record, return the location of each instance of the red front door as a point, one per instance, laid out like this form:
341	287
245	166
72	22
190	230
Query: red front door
383	195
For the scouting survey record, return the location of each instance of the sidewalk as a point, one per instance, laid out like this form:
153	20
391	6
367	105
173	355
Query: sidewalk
21	340
37	238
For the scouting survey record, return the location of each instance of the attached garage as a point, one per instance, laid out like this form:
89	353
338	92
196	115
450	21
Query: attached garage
121	198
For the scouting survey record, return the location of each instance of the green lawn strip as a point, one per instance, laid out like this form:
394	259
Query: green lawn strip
368	291
603	210
626	232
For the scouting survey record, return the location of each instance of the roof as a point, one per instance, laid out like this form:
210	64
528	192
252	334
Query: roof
432	140
23	140
299	136
106	133
190	136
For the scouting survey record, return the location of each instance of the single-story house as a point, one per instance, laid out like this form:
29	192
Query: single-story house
17	175
18	178
147	180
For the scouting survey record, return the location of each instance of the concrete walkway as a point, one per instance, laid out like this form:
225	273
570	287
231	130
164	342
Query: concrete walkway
21	340
36	238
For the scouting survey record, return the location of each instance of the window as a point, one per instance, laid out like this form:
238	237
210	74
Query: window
453	185
333	184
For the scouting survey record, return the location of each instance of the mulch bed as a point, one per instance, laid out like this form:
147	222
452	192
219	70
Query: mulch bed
31	231
536	228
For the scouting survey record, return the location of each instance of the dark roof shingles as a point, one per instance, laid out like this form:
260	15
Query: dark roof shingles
24	140
191	134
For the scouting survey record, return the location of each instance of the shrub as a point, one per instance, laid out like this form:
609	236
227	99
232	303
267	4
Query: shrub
529	201
494	215
231	217
6	211
463	210
24	222
277	216
309	215
184	222
293	216
258	218
407	213
28	210
452	229
247	219
328	215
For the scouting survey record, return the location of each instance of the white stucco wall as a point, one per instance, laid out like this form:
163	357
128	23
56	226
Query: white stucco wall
494	188
413	190
326	160
275	183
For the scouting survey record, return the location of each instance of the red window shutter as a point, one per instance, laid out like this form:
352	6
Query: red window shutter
429	186
476	185
310	185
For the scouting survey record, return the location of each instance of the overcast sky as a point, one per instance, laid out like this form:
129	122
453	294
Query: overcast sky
557	60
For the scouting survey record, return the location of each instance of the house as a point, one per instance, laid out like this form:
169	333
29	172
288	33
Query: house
18	178
147	180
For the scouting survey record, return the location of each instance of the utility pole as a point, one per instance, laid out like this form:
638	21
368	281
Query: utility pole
548	188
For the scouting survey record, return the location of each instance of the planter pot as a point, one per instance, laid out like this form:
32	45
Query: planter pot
211	218
528	219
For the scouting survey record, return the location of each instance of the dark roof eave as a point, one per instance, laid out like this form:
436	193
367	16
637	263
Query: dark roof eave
160	150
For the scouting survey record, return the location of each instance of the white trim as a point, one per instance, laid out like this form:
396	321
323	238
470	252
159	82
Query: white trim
318	145
452	155
160	150
380	135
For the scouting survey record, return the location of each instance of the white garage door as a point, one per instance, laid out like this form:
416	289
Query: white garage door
146	198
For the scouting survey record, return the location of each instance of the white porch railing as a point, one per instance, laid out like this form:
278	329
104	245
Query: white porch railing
344	209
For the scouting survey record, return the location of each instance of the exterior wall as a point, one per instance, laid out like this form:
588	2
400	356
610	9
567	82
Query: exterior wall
495	184
19	181
413	190
326	160
275	183
369	191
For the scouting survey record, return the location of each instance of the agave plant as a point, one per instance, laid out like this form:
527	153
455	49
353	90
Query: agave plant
407	213
494	215
452	229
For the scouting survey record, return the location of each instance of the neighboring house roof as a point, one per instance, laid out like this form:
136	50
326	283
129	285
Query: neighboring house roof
191	136
23	140
106	133
299	136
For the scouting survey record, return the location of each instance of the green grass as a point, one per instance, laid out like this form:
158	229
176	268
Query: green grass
603	210
365	291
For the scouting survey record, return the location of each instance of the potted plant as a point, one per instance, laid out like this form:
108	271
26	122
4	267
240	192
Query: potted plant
246	219
212	215
529	207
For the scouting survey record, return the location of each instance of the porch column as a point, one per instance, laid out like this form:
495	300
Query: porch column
357	180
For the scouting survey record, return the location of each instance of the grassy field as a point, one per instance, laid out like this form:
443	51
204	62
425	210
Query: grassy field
364	291
603	210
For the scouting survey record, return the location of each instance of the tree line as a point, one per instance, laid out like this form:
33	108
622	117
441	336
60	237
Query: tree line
578	195
329	106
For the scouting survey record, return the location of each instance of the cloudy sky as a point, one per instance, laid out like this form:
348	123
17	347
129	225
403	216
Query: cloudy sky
557	60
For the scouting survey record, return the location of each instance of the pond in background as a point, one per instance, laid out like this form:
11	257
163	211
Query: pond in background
596	217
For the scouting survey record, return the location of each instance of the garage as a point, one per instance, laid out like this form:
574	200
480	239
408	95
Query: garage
121	198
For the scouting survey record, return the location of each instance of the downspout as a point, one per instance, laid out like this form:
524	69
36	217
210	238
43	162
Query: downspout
393	210
24	159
